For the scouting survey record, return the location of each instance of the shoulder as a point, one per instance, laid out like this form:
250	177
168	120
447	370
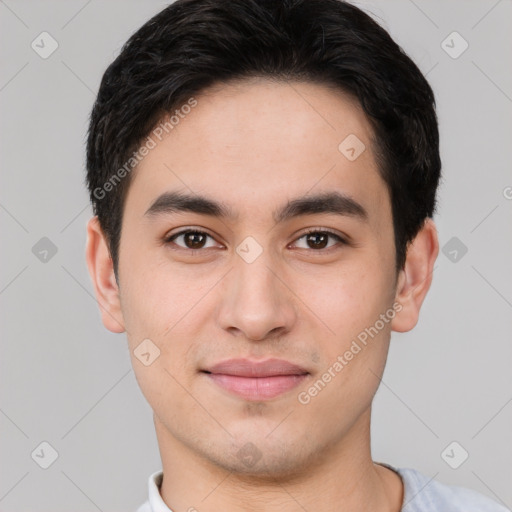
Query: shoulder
424	494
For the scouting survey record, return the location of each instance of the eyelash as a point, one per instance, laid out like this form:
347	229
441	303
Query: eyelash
170	239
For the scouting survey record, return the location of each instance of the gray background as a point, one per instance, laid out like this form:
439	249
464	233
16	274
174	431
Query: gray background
68	381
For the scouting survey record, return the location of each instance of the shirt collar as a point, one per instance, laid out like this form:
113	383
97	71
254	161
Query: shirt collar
156	502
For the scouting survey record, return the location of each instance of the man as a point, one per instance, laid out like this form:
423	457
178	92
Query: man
263	175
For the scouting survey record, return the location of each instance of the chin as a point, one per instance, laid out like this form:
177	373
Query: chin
263	458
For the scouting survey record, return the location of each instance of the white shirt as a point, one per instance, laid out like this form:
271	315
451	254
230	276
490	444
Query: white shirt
421	494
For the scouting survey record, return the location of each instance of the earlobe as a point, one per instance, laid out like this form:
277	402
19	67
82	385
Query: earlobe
101	271
416	277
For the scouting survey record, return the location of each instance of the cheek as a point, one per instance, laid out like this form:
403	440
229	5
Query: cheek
353	358
153	300
349	301
155	309
164	307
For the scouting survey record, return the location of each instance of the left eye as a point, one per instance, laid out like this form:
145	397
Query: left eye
320	238
194	240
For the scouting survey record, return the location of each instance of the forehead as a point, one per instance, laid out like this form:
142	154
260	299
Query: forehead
256	143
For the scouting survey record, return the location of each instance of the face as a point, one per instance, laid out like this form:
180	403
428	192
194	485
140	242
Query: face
253	286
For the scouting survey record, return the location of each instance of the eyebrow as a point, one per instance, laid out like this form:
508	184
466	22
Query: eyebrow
328	202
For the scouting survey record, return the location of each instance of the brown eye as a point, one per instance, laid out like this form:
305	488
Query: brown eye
318	240
192	240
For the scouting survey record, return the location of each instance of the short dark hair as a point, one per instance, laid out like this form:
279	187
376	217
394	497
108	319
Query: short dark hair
193	44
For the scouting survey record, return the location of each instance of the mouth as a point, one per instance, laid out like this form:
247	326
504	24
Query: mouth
256	380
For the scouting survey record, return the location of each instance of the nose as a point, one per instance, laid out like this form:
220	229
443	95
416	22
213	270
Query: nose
257	301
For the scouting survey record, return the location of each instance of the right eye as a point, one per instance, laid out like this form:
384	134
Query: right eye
193	240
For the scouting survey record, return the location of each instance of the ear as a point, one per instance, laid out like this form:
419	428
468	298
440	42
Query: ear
415	278
101	269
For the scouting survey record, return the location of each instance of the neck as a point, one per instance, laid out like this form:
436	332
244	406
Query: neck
344	475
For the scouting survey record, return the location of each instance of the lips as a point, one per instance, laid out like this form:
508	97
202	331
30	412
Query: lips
256	380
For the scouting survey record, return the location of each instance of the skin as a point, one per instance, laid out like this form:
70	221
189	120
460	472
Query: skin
254	145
